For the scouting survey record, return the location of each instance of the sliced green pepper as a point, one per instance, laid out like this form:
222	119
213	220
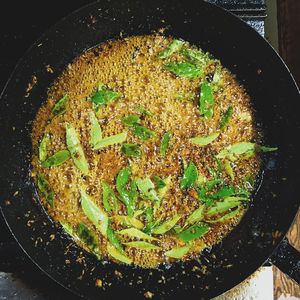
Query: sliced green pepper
57	159
189	176
164	144
45	189
75	149
94	213
193	232
60	106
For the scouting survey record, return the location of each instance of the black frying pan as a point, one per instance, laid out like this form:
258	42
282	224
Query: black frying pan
277	102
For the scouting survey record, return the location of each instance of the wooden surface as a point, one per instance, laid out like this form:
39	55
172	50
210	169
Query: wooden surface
283	285
289	47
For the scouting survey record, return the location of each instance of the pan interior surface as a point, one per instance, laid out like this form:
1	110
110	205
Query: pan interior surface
275	98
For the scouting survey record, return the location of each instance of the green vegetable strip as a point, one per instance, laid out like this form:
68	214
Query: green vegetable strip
89	238
128	196
75	148
189	176
60	106
178	252
226	217
225	205
206	100
166	226
112	237
147	190
131	120
111	140
127	221
96	132
163	190
136	233
266	149
184	70
142	110
196	216
193	232
131	150
43	147
113	252
246	149
223	192
226	117
142	132
109	199
104	96
164	144
142	245
45	189
159	182
197	57
94	213
57	159
204	140
229	170
173	47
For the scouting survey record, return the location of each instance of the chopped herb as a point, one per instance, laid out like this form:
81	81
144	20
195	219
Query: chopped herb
75	148
128	196
57	159
43	147
266	149
245	149
60	106
113	252
195	56
142	245
232	152
96	132
189	176
226	217
164	144
224	192
162	191
109	199
131	120
159	182
206	100
166	226
131	150
204	140
112	237
45	189
136	233
229	170
225	205
94	213
188	97
184	70
173	47
226	117
129	221
89	238
147	190
193	232
196	216
142	110
111	140
142	132
104	96
178	252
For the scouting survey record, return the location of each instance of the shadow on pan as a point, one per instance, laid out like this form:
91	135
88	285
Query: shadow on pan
276	100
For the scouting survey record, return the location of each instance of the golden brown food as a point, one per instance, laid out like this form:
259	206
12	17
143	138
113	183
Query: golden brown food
145	150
